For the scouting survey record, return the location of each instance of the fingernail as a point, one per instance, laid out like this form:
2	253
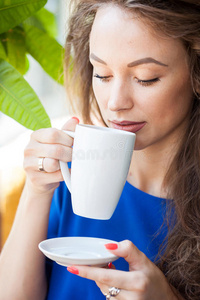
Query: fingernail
73	270
110	265
75	118
111	246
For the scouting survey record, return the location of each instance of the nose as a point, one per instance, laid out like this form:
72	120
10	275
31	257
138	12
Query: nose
121	97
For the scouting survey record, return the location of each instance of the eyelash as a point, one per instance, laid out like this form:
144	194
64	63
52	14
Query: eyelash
102	78
142	82
148	82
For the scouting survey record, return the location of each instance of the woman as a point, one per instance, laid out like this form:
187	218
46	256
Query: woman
136	64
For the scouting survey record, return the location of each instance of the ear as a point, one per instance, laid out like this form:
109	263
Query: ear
197	91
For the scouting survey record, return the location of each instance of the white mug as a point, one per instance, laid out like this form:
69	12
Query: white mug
100	164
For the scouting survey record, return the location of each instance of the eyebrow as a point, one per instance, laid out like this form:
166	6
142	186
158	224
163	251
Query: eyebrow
146	60
94	57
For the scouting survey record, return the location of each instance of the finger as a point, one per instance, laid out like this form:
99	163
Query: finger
52	136
55	177
56	136
131	281
42	178
53	151
56	152
51	165
108	277
123	294
111	266
137	260
71	124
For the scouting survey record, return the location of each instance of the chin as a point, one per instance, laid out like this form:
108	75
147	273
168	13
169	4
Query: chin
140	145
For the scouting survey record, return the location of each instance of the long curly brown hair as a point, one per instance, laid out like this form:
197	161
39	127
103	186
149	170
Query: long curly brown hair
178	19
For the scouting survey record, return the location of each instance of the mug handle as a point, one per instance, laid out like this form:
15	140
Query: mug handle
64	166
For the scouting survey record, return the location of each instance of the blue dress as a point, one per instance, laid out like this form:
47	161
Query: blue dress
138	217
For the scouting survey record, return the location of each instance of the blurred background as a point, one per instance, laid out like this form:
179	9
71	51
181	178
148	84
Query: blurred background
14	137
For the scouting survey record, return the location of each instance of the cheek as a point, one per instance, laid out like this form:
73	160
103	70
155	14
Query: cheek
100	95
170	104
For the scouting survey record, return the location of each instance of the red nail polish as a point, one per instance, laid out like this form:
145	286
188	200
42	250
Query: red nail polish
111	246
110	265
75	118
73	270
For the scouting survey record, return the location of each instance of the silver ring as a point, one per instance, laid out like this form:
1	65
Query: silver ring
41	164
107	296
113	291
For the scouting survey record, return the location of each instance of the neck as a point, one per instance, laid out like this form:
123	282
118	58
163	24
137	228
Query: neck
149	167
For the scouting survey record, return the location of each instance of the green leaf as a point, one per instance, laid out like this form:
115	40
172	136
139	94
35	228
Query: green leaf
27	64
48	21
46	50
2	51
16	49
3	40
44	20
13	12
19	101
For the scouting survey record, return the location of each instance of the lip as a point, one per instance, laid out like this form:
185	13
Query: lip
128	125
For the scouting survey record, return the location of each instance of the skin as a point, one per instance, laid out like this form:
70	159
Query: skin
163	106
23	276
144	280
121	69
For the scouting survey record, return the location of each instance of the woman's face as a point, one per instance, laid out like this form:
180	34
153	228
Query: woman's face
140	79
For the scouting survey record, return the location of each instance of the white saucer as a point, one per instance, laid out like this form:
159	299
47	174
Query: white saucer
68	251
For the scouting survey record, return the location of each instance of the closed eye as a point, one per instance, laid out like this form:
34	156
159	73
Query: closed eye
102	78
147	82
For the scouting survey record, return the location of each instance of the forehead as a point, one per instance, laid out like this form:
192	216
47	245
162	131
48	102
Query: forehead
112	16
116	29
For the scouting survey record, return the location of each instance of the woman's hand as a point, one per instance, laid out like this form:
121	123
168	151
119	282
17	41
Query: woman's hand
144	281
52	145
